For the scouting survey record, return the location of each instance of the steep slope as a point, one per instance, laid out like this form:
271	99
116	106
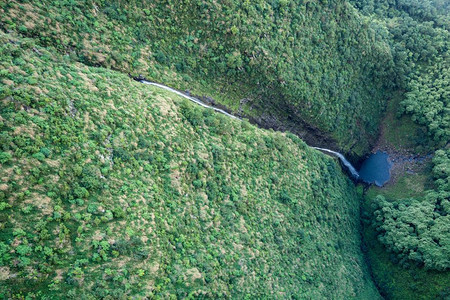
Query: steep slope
314	67
407	226
111	188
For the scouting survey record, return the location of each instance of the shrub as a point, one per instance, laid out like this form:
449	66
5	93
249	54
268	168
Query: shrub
5	157
4	205
39	156
197	183
285	198
160	57
45	151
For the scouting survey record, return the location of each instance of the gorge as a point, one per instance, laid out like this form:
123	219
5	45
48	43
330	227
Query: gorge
112	188
368	168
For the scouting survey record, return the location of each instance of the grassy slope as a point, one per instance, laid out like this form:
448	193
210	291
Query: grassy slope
110	187
399	133
316	61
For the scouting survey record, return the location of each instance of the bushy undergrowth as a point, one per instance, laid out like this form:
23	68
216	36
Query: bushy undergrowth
317	61
110	188
408	236
414	230
205	206
418	231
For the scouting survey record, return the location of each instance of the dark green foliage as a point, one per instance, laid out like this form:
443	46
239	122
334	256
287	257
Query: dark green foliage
416	234
5	157
39	156
420	40
284	197
429	101
148	196
415	231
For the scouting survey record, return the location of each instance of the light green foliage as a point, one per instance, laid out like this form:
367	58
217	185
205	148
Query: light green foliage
315	64
138	193
114	189
5	157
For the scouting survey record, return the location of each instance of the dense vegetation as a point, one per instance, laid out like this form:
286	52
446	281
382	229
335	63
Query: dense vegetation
418	231
111	188
428	101
418	34
407	232
415	229
316	62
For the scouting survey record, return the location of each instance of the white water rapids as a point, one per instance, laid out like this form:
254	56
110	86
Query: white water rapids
344	161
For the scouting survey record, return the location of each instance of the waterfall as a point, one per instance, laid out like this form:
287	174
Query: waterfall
343	160
199	102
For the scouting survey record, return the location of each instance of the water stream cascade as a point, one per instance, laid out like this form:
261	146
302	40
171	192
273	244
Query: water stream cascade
342	158
344	161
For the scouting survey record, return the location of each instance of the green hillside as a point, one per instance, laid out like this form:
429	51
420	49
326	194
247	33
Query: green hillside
310	67
111	188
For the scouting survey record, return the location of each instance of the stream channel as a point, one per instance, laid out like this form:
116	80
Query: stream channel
374	170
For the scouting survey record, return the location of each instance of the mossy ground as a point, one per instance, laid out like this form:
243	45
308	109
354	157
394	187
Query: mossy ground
398	132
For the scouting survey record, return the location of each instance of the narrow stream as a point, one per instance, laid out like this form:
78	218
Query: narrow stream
188	97
342	158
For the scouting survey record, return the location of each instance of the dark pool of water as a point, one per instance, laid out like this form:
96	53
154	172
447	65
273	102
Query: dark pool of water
376	169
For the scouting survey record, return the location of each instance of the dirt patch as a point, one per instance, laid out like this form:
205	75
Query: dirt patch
402	165
24	129
403	161
4	273
165	106
42	202
8	82
154	268
53	163
192	275
175	177
88	82
59	273
396	139
98	236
